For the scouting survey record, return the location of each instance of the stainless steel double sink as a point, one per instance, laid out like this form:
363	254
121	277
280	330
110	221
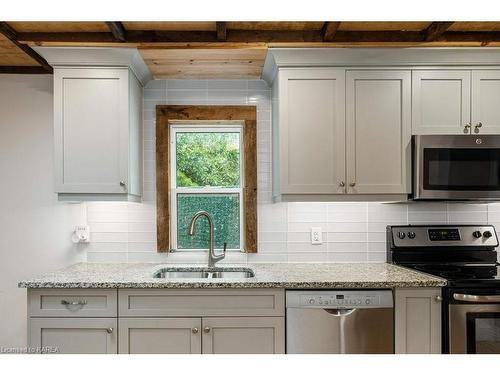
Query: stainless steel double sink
203	273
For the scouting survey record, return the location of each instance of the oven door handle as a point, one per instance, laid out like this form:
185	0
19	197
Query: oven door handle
475	298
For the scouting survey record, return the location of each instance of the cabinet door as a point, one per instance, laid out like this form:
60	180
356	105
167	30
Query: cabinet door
485	101
91	130
74	335
160	335
440	101
260	335
418	321
312	131
378	131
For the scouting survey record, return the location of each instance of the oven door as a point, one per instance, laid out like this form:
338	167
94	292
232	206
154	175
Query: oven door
456	167
474	324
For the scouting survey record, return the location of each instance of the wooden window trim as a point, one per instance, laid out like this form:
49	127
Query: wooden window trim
174	114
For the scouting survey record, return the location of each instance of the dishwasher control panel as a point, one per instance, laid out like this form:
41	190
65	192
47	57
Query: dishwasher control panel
344	300
339	299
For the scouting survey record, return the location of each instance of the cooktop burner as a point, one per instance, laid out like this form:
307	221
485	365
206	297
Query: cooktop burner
462	254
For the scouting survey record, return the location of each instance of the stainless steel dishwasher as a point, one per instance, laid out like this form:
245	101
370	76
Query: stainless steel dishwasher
339	321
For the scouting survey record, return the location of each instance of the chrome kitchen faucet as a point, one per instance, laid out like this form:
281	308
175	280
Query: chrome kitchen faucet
212	258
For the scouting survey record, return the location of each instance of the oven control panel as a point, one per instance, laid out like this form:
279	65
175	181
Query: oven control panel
334	299
446	235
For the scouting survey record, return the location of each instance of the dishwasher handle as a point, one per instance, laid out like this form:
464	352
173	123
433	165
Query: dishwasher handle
340	312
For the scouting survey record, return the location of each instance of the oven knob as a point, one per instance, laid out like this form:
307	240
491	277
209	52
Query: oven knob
477	234
401	235
411	235
487	234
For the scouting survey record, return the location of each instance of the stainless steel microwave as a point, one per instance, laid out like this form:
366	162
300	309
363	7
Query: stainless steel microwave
456	167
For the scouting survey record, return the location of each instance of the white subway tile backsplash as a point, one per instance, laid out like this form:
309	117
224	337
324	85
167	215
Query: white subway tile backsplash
258	85
352	231
272	247
103	257
227	84
347	237
300	247
307	257
348	247
184	84
344	227
347	257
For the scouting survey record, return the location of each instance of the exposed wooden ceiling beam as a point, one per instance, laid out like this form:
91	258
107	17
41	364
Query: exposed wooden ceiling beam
329	30
13	36
221	31
435	30
260	36
23	70
118	31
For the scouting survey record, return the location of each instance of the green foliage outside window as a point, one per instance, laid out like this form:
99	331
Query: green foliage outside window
208	159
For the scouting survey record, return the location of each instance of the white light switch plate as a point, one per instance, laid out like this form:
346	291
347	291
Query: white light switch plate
316	236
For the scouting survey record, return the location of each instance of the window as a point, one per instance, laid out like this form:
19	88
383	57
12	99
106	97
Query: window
206	159
207	174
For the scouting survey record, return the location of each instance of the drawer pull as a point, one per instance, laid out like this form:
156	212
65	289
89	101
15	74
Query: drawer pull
206	329
109	330
73	303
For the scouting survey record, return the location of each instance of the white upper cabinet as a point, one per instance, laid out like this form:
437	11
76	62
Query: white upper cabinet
485	113
440	101
97	136
378	131
311	131
97	122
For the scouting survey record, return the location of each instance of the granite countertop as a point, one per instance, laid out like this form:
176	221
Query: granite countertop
267	275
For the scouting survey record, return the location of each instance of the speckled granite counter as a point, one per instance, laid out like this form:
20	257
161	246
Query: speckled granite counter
267	275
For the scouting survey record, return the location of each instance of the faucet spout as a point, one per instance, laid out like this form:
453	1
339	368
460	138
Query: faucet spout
212	257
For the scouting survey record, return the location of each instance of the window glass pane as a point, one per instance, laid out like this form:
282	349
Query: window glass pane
225	210
208	159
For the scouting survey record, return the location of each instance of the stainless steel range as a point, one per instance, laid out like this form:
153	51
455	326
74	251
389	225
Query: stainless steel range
464	255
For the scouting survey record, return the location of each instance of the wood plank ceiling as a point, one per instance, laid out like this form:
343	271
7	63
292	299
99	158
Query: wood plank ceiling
227	50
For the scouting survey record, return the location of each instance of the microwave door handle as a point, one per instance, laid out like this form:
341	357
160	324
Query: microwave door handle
475	298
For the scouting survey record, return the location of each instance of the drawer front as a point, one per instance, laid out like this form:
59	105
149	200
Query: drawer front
205	302
72	302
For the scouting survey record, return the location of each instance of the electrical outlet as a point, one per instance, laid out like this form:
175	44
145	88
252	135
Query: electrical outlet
81	234
316	236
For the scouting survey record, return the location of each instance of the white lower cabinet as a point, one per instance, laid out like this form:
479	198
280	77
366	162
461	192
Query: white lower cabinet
73	335
418	321
158	321
248	335
231	335
160	335
143	321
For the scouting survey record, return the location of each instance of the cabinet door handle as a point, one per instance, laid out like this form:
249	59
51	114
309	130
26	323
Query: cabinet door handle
123	184
352	184
73	303
194	330
206	329
342	184
467	128
109	330
477	126
438	298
